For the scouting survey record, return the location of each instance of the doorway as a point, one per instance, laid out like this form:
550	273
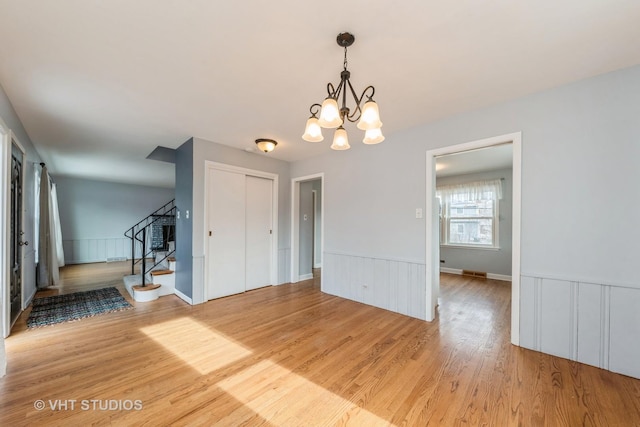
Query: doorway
16	229
307	226
11	228
433	227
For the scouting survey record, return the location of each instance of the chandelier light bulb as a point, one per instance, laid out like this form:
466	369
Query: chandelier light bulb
330	114
340	140
370	118
313	131
373	136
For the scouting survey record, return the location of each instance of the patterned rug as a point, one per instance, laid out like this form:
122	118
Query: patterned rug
79	305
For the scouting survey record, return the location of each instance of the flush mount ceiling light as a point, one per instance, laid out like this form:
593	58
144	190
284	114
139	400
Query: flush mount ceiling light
333	116
266	145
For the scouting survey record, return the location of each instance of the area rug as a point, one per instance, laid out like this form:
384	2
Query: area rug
79	305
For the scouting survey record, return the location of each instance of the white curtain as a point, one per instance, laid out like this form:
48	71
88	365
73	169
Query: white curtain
55	218
36	213
50	253
478	190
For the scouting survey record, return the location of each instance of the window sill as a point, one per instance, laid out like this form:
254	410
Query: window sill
482	248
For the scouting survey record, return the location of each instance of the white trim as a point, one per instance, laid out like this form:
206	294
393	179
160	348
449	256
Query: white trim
585	280
450	270
30	298
305	277
315	228
182	296
493	276
11	139
208	165
295	224
482	248
502	277
432	245
392	259
5	146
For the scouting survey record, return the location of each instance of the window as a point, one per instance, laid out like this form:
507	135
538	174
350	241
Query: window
469	213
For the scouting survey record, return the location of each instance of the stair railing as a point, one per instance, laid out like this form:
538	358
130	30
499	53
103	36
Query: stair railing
141	244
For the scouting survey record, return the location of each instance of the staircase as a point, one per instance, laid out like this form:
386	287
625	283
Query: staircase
152	252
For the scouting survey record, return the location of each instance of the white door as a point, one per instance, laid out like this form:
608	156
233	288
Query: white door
226	233
17	234
259	228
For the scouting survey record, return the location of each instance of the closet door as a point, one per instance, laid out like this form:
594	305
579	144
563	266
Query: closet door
226	234
259	225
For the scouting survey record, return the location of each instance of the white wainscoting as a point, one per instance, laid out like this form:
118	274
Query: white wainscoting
284	265
596	324
96	250
198	289
394	285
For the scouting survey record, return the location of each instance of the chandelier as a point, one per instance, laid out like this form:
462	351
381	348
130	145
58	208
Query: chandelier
333	115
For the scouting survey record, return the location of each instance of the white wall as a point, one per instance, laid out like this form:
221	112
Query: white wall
94	216
580	179
491	261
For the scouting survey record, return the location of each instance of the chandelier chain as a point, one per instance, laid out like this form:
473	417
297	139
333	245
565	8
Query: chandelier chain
345	58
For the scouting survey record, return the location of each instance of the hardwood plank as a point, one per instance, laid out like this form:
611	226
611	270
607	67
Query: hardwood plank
291	355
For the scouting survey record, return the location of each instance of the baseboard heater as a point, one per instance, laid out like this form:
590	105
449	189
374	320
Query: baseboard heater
481	274
116	259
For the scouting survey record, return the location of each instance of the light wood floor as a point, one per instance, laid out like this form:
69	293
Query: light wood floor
291	355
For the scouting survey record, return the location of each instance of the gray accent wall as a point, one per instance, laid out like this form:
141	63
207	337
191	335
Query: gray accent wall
580	176
491	261
94	216
184	224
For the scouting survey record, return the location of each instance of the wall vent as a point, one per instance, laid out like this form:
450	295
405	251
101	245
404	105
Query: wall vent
481	274
116	258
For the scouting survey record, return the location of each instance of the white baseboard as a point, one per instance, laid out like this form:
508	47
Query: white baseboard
28	301
489	275
183	297
503	277
318	265
305	277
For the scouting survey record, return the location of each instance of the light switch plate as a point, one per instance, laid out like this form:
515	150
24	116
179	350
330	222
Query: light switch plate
418	212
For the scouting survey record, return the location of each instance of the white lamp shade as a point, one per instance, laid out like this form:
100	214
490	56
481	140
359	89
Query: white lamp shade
266	145
312	131
370	117
340	140
330	114
373	136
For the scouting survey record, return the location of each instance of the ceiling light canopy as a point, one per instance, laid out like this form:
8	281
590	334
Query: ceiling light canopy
266	145
334	110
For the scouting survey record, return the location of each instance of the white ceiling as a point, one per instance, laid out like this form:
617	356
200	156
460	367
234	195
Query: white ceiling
473	161
98	85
